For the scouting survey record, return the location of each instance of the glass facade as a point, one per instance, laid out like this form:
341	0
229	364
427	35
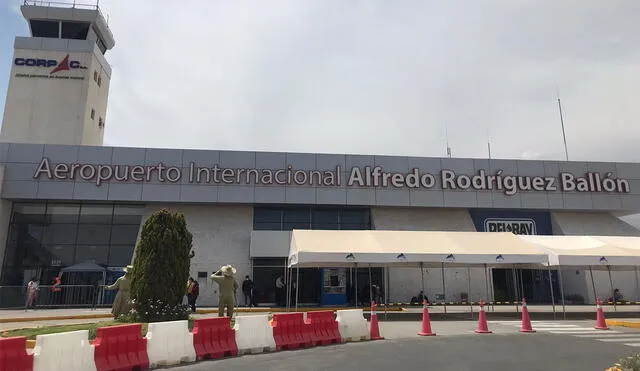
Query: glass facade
46	237
286	218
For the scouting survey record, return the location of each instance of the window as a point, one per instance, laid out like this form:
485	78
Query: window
101	46
120	255
96	214
97	253
58	255
99	80
100	123
28	213
45	28
286	218
94	234
296	218
202	275
75	30
62	213
127	214
124	234
325	219
60	234
95	75
93	113
267	218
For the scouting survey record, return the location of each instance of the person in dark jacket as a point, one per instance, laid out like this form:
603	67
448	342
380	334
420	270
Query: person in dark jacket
193	290
247	291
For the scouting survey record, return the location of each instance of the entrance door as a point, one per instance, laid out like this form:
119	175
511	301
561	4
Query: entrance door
532	284
362	281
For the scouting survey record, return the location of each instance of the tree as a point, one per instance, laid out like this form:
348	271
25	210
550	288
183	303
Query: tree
161	268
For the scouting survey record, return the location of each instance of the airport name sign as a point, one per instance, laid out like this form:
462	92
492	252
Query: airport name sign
358	177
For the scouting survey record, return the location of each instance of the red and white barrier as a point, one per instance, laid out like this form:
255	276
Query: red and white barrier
352	325
170	343
254	334
66	351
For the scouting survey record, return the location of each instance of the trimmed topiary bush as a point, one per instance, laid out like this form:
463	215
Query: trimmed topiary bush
161	268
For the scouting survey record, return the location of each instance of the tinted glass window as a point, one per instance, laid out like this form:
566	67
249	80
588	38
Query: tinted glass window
60	234
325	219
101	46
62	213
96	214
120	256
45	28
75	30
98	253
58	255
28	213
296	219
94	234
127	214
267	218
124	234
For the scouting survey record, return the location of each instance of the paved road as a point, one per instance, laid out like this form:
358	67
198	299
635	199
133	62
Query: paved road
557	345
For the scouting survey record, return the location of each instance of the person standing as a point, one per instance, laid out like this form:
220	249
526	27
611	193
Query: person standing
122	302
193	290
247	291
227	289
33	288
280	290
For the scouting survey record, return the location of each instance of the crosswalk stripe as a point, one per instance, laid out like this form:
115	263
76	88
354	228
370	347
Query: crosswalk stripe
564	329
633	344
618	340
609	334
573	332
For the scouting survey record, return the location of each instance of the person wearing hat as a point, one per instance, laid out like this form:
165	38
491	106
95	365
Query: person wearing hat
122	302
227	289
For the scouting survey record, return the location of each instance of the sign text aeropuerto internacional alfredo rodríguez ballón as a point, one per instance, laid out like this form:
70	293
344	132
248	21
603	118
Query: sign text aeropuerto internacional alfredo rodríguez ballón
365	176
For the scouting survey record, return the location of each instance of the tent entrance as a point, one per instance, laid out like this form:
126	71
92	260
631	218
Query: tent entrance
532	284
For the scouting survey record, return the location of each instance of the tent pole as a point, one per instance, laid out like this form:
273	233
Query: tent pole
593	285
564	311
355	287
521	283
422	274
492	291
370	286
469	294
385	272
637	285
553	302
444	291
612	291
297	285
515	288
286	276
486	282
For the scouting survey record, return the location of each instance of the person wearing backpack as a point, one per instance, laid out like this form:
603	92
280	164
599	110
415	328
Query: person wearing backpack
247	291
193	290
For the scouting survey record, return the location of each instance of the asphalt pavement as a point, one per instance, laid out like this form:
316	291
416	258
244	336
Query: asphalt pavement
557	345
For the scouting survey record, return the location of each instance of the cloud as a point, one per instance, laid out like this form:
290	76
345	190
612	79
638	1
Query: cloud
369	76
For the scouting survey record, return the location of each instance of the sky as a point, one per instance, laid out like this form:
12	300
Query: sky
374	77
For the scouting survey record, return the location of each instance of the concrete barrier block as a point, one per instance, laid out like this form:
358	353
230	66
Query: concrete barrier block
169	343
254	334
352	325
67	351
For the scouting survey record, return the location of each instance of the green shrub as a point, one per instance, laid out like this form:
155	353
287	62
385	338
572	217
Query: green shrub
631	363
161	269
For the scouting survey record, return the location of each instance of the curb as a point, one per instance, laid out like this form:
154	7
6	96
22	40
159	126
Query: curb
618	323
199	311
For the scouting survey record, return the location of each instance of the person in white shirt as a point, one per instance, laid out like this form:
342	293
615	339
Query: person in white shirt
33	287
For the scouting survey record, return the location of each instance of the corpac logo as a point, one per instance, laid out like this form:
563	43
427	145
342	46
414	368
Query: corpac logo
64	65
515	226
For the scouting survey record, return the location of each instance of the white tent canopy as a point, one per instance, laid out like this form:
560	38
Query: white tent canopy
322	248
586	251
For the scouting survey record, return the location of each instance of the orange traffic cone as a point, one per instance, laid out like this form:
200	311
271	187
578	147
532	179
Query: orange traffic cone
601	323
526	322
483	328
374	331
426	321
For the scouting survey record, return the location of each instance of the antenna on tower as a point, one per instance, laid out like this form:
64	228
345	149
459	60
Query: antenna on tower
564	136
446	138
488	143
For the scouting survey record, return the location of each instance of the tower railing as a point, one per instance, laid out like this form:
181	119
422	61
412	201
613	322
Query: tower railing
86	4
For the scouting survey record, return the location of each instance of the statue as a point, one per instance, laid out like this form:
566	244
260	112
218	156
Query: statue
227	289
122	302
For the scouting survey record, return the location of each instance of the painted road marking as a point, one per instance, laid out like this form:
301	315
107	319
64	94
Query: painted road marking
619	340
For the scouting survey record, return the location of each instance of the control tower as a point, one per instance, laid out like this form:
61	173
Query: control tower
59	83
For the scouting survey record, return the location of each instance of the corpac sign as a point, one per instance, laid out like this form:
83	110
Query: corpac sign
515	226
56	66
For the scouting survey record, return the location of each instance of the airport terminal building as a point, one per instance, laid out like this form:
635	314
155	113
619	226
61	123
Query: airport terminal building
67	200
